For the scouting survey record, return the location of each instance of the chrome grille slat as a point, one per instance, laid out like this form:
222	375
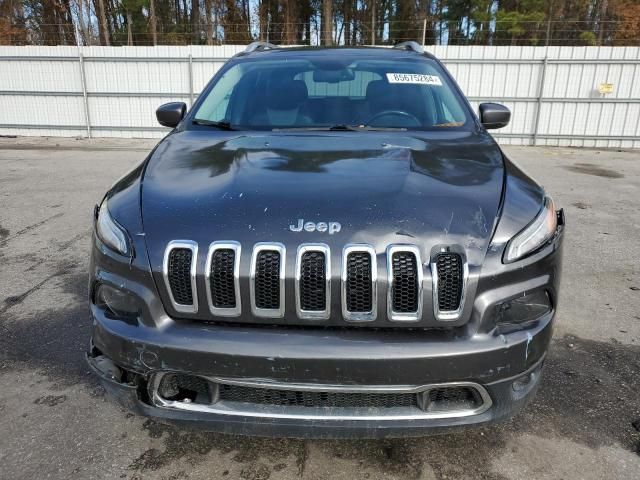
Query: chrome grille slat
267	287
449	273
180	280
359	283
313	287
222	278
405	283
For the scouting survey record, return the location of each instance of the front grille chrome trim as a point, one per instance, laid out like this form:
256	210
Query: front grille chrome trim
448	315
313	314
243	409
267	312
224	245
189	245
391	313
373	313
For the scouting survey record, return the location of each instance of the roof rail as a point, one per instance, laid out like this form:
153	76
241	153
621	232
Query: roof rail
255	46
411	45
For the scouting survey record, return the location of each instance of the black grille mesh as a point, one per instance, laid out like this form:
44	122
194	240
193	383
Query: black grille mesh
453	398
289	398
177	387
359	288
180	275
267	280
405	283
313	287
449	267
221	280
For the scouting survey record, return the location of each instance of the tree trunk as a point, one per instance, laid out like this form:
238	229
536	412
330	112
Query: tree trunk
347	22
104	28
290	33
373	22
207	13
195	21
601	26
327	22
153	22
129	32
83	25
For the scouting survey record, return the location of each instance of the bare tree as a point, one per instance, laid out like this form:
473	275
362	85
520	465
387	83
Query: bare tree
153	22
104	28
207	16
327	22
129	31
195	21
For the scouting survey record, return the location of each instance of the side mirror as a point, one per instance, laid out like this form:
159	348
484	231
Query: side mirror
170	114
494	115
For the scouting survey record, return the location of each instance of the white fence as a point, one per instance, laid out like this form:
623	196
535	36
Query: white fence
114	91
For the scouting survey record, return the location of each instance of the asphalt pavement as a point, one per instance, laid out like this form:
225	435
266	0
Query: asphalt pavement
56	422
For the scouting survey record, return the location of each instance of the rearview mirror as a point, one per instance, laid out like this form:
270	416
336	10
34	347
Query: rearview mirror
494	115
333	76
170	114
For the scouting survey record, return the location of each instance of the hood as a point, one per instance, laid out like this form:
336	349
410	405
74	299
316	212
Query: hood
383	188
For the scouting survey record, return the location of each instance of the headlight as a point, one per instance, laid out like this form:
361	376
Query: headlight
535	235
111	234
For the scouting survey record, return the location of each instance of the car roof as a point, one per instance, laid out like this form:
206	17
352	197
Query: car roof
363	51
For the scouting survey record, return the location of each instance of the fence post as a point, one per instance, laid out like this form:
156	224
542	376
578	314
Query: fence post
539	102
190	81
83	81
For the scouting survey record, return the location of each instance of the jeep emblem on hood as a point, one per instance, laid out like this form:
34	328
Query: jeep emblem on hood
331	227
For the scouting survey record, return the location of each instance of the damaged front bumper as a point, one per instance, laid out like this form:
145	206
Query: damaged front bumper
502	373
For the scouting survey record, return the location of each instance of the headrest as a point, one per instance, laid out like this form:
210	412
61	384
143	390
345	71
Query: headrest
377	88
286	94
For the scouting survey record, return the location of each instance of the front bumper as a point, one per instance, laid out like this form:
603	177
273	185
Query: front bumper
341	358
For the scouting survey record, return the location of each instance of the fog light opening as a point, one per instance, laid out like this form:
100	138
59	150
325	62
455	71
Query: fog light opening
522	312
186	389
118	303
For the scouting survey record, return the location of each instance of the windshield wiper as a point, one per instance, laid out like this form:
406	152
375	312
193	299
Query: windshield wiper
211	123
341	128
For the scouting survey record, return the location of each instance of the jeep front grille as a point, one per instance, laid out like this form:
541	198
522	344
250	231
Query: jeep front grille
313	288
223	278
449	277
405	278
223	294
405	282
180	275
449	281
267	280
313	280
359	283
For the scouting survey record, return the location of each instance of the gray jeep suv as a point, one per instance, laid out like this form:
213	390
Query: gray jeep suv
328	244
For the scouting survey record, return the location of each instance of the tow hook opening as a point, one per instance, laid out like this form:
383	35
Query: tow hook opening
107	370
525	383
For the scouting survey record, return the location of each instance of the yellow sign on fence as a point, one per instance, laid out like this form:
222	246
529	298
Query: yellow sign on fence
604	88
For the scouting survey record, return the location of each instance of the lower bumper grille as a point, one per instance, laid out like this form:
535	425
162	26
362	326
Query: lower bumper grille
267	396
220	396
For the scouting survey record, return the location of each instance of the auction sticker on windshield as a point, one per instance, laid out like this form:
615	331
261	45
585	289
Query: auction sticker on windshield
415	78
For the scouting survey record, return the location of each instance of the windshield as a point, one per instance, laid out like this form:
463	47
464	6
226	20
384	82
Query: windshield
343	91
